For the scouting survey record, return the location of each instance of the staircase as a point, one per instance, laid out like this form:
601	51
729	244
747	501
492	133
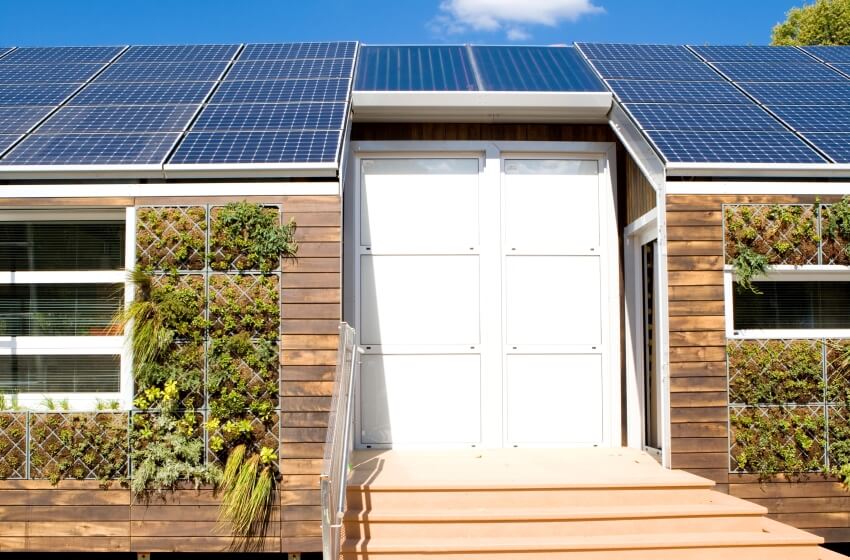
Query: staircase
578	504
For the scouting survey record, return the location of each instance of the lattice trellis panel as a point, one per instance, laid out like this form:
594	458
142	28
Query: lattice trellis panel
171	238
838	371
146	428
836	247
775	371
251	367
78	445
186	365
227	253
265	432
839	435
13	445
785	234
245	304
777	439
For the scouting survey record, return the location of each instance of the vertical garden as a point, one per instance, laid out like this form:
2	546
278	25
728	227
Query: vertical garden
789	408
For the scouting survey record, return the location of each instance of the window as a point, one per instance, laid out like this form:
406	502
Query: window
794	305
62	279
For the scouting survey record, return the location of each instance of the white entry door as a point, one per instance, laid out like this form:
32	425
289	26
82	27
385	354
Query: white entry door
481	302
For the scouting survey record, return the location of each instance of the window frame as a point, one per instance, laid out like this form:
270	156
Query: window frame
783	273
75	345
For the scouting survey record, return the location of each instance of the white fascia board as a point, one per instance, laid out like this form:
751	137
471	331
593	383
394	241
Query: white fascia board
638	147
480	106
71	172
759	187
259	188
231	170
755	170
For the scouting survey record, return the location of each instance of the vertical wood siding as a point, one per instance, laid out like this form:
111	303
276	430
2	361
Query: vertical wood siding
698	378
640	196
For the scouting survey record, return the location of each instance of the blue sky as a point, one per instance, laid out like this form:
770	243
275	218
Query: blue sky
95	22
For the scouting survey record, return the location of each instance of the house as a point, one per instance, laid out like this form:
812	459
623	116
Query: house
540	248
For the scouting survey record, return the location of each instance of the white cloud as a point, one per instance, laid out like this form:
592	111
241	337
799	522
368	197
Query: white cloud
458	16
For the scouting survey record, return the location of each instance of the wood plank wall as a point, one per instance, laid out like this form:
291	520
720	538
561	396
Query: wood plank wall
640	196
698	379
78	516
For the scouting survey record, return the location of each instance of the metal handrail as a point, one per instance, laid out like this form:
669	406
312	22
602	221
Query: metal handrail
338	444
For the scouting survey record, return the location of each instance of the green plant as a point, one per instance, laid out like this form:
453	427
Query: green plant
171	238
110	404
747	265
771	440
9	402
781	233
835	226
244	304
775	372
249	486
246	236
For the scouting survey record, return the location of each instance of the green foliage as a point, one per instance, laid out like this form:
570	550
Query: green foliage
249	486
824	22
838	371
12	444
244	304
246	236
78	445
782	233
9	402
836	232
171	238
775	440
773	372
168	447
747	265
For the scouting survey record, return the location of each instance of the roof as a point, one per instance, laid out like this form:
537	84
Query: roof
282	109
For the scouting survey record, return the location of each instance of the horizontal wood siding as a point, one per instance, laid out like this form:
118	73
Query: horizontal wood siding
79	516
640	196
698	378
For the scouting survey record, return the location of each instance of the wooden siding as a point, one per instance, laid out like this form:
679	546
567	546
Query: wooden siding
640	196
698	381
78	516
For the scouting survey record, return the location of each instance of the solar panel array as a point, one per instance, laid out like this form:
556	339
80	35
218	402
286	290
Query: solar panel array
807	89
176	104
473	68
35	81
685	101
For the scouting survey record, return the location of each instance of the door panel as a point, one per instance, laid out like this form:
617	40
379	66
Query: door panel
552	300
419	300
421	399
423	204
554	399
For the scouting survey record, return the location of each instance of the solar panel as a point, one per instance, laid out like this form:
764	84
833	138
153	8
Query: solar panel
91	149
534	69
835	145
35	94
813	118
733	147
146	118
843	67
48	73
286	51
281	91
163	72
751	53
677	92
663	71
178	53
4	50
778	72
287	69
52	55
414	68
653	116
286	116
617	51
7	140
17	120
257	147
142	93
829	53
802	93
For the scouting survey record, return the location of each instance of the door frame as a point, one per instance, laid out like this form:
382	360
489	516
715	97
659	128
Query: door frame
644	230
492	155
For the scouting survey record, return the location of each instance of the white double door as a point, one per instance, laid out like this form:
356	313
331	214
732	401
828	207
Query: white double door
482	302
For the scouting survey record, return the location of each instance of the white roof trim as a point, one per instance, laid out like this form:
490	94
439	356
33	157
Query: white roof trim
758	187
95	190
480	106
758	170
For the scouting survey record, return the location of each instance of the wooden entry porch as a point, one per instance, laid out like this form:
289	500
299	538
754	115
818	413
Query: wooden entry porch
551	503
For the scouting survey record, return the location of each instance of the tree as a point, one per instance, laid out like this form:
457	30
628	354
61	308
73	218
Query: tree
826	22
